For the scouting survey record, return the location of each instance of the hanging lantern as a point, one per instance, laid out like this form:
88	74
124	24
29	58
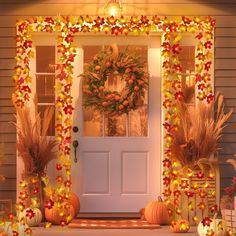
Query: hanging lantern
113	8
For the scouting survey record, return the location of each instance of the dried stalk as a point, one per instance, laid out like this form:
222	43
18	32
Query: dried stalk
199	131
33	145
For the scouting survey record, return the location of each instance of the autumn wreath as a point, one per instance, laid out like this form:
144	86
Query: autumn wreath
109	63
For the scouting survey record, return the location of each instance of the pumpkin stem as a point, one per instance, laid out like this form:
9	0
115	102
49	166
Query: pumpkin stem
159	199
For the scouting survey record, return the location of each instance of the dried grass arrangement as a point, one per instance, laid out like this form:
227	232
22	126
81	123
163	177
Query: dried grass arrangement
33	145
200	128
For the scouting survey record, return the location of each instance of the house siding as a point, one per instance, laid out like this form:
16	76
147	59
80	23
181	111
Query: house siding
225	61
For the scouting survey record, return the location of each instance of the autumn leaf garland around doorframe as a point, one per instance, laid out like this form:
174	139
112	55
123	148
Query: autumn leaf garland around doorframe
68	26
108	64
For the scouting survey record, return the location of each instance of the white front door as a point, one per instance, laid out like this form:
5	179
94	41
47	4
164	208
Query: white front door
119	159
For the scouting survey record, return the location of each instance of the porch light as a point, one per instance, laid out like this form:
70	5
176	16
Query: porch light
113	8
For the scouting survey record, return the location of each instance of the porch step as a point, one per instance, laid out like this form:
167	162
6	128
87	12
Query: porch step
108	215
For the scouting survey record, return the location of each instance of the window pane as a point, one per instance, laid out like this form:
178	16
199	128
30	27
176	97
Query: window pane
187	58
45	59
138	121
115	125
45	88
51	129
93	121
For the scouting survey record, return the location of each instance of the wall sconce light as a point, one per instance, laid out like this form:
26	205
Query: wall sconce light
113	8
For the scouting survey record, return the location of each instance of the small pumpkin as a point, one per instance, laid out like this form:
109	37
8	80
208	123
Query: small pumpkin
33	216
180	226
56	215
156	212
216	225
7	228
73	199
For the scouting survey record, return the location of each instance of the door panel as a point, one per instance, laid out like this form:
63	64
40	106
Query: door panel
119	167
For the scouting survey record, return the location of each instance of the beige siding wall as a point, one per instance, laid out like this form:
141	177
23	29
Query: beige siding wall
225	60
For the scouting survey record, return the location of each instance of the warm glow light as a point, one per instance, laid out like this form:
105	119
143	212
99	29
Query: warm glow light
113	8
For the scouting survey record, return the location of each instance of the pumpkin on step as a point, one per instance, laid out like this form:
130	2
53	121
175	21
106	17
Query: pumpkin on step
216	225
32	216
56	214
7	227
73	199
156	212
180	226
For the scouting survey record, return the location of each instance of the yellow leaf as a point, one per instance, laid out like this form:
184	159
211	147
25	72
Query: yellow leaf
45	179
69	218
209	55
73	20
58	87
177	38
39	19
28	79
48	225
48	191
199	46
58	18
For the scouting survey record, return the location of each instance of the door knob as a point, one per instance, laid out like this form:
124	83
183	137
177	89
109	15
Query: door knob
75	146
75	129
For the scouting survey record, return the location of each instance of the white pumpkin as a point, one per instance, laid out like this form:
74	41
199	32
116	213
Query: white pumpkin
7	228
35	220
218	226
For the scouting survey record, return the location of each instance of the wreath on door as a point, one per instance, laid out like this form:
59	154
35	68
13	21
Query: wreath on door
108	64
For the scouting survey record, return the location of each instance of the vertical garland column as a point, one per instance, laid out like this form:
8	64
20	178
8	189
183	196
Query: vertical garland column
171	94
28	187
204	57
64	110
204	81
21	74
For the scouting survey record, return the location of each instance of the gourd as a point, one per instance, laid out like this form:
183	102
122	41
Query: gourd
180	226
7	227
34	220
217	225
156	212
56	215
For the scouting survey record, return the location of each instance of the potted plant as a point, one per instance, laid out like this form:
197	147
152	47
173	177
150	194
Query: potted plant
199	130
34	147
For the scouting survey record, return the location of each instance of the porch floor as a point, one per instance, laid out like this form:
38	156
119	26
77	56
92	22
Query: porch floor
59	231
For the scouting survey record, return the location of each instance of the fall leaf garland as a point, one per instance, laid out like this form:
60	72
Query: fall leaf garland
68	26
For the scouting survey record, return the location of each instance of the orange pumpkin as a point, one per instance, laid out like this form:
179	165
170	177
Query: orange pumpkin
180	226
55	214
156	212
74	201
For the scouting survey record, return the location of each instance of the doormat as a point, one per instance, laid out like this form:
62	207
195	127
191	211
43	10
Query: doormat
112	224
